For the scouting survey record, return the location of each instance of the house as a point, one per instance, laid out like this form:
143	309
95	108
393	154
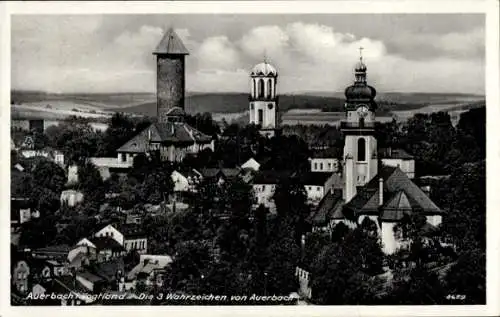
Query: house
264	185
317	184
20	275
398	158
91	282
48	153
71	197
186	180
326	160
220	175
21	211
149	271
252	164
134	239
111	165
105	247
304	278
53	252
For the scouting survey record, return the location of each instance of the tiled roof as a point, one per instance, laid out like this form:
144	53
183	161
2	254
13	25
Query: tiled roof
171	44
165	133
90	277
395	154
328	208
226	172
271	176
314	178
108	270
106	243
400	195
332	152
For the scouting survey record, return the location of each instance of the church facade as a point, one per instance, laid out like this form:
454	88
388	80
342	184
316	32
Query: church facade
170	135
367	189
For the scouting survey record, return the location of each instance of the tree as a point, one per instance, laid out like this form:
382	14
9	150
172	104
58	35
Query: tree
90	183
340	272
468	277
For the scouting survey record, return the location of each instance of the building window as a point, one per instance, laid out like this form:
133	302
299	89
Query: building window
309	187
261	116
315	166
329	165
261	88
361	150
321	166
318	188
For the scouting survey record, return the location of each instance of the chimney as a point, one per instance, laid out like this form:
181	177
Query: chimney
390	151
380	191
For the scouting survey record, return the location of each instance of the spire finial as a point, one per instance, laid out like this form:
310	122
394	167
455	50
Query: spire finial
265	56
361	48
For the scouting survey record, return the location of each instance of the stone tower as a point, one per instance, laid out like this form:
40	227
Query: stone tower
360	149
263	99
170	77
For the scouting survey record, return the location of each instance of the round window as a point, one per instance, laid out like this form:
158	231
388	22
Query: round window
270	106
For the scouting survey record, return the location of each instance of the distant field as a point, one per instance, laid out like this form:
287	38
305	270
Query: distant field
305	108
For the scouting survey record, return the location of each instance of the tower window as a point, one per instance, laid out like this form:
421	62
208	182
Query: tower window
270	106
254	88
269	87
361	149
261	88
251	106
261	116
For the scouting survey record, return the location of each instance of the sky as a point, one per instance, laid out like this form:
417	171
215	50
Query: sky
312	52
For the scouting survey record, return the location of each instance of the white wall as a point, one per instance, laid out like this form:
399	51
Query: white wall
407	166
181	183
251	163
110	231
264	195
324	165
434	220
71	197
389	243
314	193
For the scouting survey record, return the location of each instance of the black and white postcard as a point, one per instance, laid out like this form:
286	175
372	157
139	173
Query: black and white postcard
260	158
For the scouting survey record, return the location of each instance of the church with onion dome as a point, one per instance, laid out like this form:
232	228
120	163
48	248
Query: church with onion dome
367	188
264	110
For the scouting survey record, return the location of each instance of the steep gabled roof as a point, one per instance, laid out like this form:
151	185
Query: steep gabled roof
314	178
400	195
165	132
327	208
271	176
171	44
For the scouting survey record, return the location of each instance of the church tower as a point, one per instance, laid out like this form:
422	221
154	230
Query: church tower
263	99
170	77
360	149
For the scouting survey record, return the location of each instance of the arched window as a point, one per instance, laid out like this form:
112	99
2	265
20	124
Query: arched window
261	88
361	150
269	88
254	91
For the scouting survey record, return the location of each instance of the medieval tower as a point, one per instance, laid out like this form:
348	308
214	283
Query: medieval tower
170	77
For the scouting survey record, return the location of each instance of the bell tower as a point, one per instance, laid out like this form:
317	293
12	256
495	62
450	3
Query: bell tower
263	99
360	149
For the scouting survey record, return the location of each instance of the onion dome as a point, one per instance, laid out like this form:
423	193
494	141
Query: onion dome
360	90
360	66
264	69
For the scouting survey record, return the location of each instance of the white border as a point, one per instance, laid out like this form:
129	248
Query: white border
490	7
